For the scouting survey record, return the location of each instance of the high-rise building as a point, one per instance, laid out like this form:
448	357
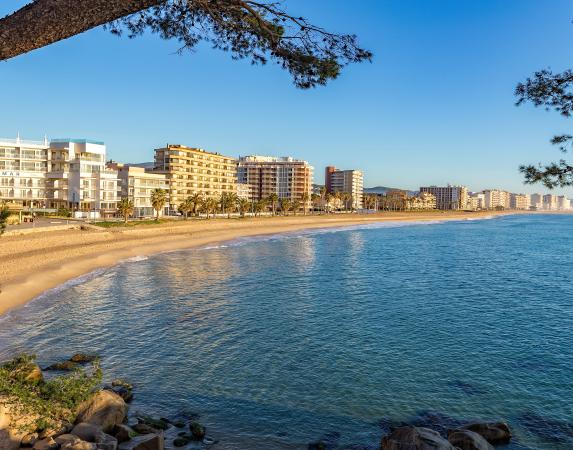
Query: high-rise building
285	176
563	203
536	201
349	181
78	179
519	201
476	201
193	170
550	202
496	199
23	168
138	185
448	197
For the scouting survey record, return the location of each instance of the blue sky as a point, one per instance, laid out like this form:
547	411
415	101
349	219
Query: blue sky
435	106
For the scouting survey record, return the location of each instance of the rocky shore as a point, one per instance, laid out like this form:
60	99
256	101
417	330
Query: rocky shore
100	421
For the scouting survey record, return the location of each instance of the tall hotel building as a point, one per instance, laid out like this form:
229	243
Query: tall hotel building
285	176
350	181
193	170
495	198
448	197
23	170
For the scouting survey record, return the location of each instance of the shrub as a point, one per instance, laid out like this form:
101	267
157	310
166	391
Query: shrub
45	404
64	212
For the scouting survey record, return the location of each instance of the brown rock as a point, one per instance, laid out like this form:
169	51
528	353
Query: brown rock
123	433
468	440
104	409
79	445
29	440
35	374
493	432
415	438
65	438
143	428
46	444
144	442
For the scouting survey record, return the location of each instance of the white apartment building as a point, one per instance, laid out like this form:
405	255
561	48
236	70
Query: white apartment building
23	168
536	201
563	203
496	199
448	197
137	185
285	176
550	202
476	201
349	181
78	179
520	201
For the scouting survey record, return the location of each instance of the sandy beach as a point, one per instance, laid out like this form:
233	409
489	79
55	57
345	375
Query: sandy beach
31	264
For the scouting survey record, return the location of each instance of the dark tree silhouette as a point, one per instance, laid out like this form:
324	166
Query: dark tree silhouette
554	91
257	30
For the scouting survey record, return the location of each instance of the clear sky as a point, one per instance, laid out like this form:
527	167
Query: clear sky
435	106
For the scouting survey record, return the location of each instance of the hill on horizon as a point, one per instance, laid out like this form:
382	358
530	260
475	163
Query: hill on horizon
385	189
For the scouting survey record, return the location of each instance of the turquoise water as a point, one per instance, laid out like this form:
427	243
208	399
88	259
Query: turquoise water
335	335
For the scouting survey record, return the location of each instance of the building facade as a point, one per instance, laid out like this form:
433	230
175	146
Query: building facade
448	197
286	177
520	201
550	202
349	181
424	201
563	203
78	178
23	170
191	170
137	185
497	199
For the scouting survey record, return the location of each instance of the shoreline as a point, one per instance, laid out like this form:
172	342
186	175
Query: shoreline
30	265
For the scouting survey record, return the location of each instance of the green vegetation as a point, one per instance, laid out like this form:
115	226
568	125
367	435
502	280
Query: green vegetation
132	223
45	404
4	214
64	212
125	208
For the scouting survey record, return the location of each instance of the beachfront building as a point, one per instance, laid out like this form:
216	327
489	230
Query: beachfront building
349	181
78	178
497	199
286	177
424	201
519	201
536	201
244	191
550	202
190	170
137	185
563	203
23	169
448	197
476	201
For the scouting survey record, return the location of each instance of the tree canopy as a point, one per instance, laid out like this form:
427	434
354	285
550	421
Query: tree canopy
260	31
554	91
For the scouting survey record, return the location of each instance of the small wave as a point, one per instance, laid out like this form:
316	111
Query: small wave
136	258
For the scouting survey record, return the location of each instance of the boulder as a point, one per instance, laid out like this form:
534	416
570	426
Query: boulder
143	428
78	444
83	358
106	442
34	374
46	444
197	431
468	440
493	432
104	409
123	433
87	431
29	440
62	366
56	430
415	438
144	442
123	392
65	438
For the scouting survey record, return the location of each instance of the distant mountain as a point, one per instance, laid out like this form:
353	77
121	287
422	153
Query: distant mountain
145	165
384	189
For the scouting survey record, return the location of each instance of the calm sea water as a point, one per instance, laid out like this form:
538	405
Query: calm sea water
280	341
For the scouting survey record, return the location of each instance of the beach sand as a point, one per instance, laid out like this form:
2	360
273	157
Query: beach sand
31	264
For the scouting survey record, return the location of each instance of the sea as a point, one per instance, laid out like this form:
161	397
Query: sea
333	335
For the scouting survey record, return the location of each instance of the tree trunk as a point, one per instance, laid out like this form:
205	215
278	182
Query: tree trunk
44	22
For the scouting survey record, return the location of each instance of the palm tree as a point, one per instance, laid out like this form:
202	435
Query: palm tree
316	201
125	208
158	200
323	193
195	200
305	199
243	206
346	197
296	206
273	199
186	206
4	214
228	202
327	199
337	197
285	205
260	206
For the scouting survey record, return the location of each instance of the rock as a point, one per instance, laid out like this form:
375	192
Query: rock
87	431
46	444
181	441
34	374
106	442
29	440
122	383
55	430
415	438
123	433
144	442
143	428
317	446
65	438
104	409
157	424
493	432
13	426
179	424
468	440
197	431
83	358
123	392
63	366
79	445
437	421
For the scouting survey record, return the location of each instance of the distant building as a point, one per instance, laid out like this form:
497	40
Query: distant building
285	176
496	199
244	190
422	202
550	202
520	201
476	201
448	197
563	203
23	172
78	178
350	181
193	170
536	201
138	185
